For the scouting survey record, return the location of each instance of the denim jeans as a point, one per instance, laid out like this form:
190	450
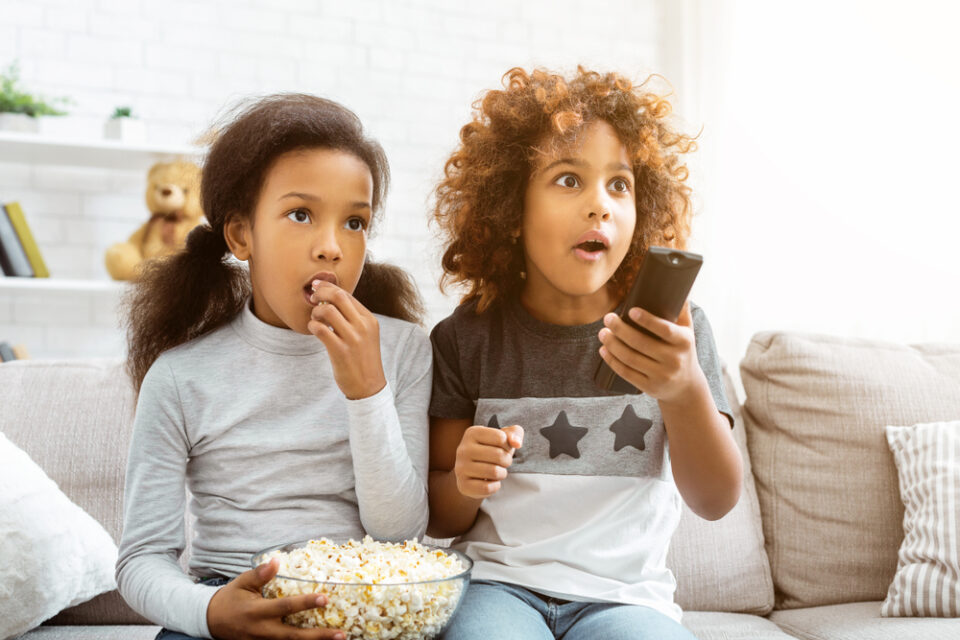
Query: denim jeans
508	612
166	634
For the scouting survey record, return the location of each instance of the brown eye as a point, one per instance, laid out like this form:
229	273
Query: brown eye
567	180
356	224
620	185
299	215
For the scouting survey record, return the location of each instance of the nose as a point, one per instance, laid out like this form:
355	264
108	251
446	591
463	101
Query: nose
326	247
598	206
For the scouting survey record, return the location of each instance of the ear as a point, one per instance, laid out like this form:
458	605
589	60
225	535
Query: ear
237	234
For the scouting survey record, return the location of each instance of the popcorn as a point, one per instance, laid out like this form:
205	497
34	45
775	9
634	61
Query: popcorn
375	590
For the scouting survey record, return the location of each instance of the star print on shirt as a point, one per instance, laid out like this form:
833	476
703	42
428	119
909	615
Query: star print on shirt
563	436
630	430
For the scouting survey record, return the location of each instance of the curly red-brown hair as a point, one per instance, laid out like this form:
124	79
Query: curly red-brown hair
479	203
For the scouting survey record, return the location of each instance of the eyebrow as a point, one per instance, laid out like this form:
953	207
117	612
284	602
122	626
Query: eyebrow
312	198
577	162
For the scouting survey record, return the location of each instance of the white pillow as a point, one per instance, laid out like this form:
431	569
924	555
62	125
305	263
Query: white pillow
927	582
53	554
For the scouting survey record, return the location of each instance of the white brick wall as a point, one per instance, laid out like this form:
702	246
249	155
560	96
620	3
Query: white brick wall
409	68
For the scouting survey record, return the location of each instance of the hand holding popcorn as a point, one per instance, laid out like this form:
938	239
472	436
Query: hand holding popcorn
238	611
483	457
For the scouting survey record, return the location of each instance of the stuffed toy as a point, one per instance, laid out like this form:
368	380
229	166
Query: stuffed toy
173	198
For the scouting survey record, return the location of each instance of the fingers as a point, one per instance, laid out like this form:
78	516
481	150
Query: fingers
331	294
319	634
287	632
279	607
514	435
667	331
488	436
325	317
479	489
483	457
634	356
255	579
637	378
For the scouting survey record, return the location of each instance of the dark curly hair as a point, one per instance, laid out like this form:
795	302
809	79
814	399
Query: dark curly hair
190	293
479	202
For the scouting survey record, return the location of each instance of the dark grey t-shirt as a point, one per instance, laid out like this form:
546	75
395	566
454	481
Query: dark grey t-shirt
589	505
488	367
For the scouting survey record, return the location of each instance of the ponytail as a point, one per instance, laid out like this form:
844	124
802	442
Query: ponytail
388	290
181	297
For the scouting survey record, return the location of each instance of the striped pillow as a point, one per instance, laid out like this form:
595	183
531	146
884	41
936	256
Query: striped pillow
927	582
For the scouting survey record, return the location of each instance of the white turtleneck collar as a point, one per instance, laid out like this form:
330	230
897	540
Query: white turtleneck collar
273	339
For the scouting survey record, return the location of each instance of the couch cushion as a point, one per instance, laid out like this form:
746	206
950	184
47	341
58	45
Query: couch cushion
54	554
74	419
861	621
928	568
710	625
815	413
722	565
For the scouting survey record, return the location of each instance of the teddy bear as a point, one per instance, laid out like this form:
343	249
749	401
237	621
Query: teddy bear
173	199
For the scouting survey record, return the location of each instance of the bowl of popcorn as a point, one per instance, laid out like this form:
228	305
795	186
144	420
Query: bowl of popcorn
375	590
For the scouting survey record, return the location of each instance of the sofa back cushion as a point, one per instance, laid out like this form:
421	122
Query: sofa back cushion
722	565
815	412
74	419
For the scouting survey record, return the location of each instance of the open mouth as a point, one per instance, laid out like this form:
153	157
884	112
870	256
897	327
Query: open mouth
324	276
591	245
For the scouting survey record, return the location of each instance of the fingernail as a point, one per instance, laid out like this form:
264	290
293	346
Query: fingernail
608	319
321	600
315	284
339	636
635	314
603	352
603	334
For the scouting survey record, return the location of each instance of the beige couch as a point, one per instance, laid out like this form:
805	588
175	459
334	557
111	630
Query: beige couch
808	552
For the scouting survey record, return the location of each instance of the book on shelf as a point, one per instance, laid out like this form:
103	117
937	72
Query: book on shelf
13	257
14	214
6	352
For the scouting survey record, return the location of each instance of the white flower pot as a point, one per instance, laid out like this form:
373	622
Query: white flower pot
126	129
20	122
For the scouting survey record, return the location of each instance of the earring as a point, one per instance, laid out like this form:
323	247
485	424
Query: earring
523	275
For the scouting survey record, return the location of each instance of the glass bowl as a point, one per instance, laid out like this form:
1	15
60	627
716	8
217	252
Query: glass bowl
388	608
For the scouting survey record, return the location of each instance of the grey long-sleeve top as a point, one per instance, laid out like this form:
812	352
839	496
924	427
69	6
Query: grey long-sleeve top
250	420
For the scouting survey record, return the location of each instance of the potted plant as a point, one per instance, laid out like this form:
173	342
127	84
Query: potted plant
123	125
19	109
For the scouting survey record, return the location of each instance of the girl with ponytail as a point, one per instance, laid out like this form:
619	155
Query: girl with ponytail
289	394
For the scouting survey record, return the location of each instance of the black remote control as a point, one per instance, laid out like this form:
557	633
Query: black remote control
661	287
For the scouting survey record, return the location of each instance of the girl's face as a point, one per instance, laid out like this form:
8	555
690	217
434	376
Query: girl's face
578	219
310	223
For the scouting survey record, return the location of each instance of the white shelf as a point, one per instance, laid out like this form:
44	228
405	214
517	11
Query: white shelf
52	285
36	148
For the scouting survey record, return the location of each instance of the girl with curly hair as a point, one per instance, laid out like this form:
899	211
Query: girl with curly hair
566	496
291	396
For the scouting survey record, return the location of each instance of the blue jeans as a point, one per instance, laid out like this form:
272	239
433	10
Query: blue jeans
508	612
166	634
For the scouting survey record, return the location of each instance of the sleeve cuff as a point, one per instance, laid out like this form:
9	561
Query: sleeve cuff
204	596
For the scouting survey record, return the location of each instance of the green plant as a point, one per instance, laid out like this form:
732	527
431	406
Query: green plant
13	99
122	112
